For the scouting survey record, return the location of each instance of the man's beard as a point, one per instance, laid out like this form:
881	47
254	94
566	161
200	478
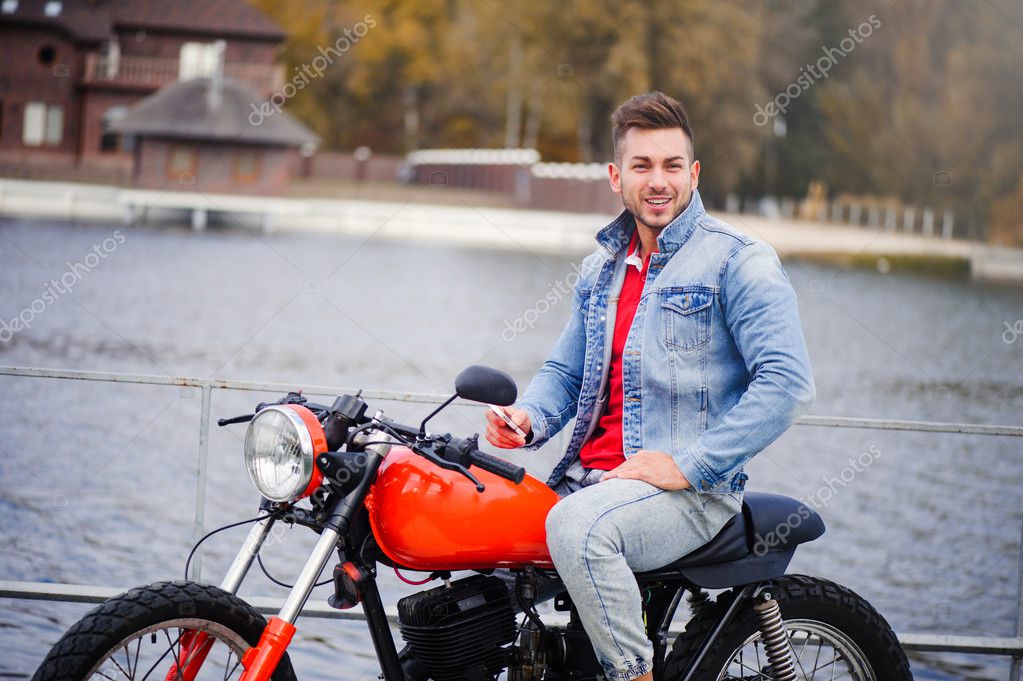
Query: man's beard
637	213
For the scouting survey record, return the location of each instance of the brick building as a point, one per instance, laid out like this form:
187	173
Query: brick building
200	135
71	69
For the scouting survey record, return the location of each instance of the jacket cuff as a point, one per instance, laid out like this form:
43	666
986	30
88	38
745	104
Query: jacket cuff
693	464
537	425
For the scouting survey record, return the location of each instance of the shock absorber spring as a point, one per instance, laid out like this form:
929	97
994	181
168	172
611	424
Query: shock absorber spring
776	642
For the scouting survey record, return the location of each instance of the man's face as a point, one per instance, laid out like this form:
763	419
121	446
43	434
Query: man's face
657	175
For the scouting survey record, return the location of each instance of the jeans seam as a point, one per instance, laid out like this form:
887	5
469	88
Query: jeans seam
589	572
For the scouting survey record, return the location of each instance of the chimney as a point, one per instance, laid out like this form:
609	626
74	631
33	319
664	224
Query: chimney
217	77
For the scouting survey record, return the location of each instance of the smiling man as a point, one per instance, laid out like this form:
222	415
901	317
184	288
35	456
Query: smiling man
683	358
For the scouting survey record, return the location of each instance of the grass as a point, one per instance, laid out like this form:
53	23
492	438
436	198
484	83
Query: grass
945	267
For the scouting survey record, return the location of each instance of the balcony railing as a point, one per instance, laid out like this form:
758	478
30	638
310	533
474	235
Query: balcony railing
155	72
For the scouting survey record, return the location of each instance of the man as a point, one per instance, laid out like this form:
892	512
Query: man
683	358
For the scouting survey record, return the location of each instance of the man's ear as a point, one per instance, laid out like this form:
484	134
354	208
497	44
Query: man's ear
615	176
694	173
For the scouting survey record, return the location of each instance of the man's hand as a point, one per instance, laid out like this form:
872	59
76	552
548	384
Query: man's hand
656	468
498	432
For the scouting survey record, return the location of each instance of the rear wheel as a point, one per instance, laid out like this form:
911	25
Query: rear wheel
833	634
158	631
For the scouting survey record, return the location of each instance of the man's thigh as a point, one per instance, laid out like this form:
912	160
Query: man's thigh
650	527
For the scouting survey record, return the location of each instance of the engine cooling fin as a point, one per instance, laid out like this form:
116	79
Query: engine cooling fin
457	631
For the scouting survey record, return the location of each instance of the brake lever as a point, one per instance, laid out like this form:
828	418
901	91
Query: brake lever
292	397
426	449
235	419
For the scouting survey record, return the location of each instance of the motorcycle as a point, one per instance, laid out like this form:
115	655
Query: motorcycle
383	493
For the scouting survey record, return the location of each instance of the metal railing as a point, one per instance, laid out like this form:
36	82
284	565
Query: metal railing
989	645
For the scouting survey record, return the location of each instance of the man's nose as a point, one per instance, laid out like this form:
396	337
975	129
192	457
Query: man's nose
657	180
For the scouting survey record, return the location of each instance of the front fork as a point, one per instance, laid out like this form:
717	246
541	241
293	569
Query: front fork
195	645
261	660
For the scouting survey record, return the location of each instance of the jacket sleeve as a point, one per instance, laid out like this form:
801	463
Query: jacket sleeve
760	311
552	397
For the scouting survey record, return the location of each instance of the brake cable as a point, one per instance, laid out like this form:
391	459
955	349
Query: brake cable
206	536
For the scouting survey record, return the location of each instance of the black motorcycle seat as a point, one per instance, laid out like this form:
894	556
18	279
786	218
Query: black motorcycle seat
767	522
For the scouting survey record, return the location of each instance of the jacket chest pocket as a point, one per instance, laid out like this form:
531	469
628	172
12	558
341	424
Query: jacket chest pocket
686	316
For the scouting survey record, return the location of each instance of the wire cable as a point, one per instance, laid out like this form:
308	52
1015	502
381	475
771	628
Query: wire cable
278	582
206	536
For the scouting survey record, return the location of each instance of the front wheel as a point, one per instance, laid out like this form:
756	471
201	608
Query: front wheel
833	634
168	630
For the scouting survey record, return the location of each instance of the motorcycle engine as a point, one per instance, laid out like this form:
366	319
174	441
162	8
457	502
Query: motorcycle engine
457	631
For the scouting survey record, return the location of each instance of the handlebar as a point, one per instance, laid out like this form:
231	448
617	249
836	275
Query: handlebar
500	467
446	451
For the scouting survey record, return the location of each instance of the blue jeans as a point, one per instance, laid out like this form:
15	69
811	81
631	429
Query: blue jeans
602	532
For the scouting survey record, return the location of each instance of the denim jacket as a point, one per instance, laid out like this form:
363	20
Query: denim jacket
715	366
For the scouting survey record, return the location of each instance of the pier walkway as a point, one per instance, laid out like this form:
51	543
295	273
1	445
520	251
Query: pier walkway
473	225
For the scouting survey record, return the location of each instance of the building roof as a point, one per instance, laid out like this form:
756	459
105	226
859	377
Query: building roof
78	20
214	17
98	20
184	110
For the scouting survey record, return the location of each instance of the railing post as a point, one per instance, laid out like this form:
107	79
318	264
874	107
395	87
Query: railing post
200	487
1017	661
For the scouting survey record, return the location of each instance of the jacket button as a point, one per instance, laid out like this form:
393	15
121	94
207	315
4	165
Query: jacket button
704	485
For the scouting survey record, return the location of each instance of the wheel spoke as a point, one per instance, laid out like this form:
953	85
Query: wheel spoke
117	664
178	676
799	655
229	674
792	652
817	658
807	640
197	641
833	660
138	650
170	648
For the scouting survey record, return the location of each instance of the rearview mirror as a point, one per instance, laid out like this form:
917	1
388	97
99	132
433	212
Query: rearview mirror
483	384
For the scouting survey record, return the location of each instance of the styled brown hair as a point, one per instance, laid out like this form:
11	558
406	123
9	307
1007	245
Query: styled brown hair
652	111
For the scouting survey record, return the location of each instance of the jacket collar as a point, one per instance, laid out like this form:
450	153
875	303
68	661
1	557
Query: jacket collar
616	236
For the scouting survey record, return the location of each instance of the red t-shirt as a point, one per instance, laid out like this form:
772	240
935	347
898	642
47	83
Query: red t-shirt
604	448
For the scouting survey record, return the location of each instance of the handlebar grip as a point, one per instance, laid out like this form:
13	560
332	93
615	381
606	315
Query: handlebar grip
505	469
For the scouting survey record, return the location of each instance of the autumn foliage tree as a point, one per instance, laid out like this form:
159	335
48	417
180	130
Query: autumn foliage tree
935	91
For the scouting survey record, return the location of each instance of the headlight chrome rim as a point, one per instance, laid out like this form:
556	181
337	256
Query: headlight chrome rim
312	442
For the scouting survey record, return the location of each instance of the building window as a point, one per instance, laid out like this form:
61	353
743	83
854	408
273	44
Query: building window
43	124
181	163
9	6
246	165
197	60
111	140
46	55
53	8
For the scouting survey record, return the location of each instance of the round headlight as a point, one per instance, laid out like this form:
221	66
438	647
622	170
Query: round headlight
281	446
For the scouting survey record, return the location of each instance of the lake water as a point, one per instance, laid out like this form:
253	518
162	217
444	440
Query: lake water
97	481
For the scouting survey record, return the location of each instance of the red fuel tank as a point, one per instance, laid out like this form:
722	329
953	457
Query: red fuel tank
427	518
